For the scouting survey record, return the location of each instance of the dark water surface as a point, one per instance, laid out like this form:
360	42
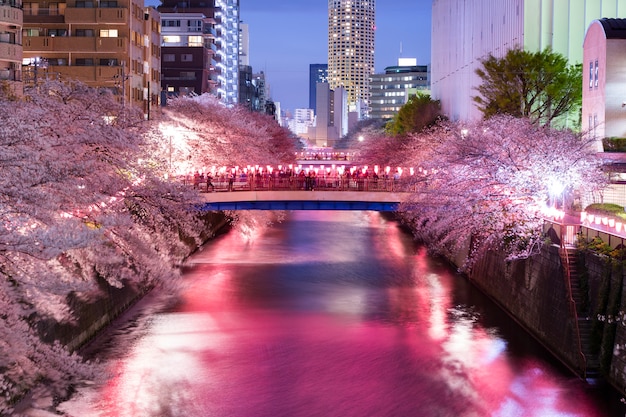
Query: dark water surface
333	314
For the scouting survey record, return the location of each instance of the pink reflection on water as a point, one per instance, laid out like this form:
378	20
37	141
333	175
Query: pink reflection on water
220	355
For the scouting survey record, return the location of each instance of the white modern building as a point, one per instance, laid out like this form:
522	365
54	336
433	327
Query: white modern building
351	25
464	32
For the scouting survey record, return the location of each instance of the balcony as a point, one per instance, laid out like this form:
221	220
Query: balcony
10	51
43	15
60	43
117	45
74	44
11	15
96	15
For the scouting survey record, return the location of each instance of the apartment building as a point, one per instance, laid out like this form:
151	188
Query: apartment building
11	17
113	44
221	41
188	54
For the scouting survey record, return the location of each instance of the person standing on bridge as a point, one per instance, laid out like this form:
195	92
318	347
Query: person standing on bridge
209	182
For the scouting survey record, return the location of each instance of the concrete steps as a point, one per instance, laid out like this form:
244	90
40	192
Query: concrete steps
585	323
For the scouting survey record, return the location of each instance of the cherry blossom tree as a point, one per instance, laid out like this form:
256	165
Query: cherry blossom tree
82	197
200	132
488	183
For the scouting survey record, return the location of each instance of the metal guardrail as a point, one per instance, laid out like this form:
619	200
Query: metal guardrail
569	233
295	183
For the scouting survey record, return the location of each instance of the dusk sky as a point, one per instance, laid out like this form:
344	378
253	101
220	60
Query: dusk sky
286	37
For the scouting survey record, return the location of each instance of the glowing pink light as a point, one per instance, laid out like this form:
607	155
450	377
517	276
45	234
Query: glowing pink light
583	216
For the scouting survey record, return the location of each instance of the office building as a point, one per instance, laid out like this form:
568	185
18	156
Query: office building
107	44
318	73
391	90
220	32
465	32
11	18
351	25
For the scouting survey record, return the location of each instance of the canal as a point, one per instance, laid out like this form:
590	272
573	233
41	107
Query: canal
328	313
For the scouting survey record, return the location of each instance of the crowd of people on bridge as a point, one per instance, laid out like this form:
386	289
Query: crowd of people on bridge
295	178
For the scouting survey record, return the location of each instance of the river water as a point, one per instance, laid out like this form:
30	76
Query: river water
330	314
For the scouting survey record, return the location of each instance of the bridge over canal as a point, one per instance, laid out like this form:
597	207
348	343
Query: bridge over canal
303	200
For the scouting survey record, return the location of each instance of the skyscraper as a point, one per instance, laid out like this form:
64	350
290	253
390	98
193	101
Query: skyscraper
317	74
351	25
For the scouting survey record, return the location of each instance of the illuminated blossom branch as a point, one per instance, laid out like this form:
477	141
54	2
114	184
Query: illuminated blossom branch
491	182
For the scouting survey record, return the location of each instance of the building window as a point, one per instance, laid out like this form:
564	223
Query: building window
171	23
596	75
84	4
57	61
195	41
57	32
108	3
169	58
186	57
591	75
110	62
171	39
187	75
85	32
84	62
195	25
108	33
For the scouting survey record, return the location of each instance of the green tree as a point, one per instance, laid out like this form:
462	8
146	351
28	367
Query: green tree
539	85
420	111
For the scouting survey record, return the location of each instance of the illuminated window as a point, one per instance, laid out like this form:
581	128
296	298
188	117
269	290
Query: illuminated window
171	39
596	75
591	75
108	33
195	41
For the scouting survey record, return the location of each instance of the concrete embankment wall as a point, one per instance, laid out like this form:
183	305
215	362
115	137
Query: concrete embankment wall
93	316
535	293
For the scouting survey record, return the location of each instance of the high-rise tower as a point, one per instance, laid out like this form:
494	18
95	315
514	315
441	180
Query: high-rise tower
351	25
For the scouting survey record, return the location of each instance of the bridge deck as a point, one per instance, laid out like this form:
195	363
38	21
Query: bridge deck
303	200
